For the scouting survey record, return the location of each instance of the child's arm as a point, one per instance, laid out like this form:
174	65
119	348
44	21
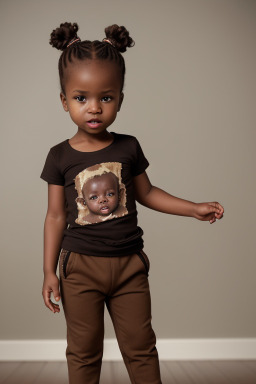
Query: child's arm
159	200
55	223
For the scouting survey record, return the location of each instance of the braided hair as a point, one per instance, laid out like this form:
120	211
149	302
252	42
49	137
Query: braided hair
61	37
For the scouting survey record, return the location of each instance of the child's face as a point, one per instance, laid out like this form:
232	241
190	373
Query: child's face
101	194
92	91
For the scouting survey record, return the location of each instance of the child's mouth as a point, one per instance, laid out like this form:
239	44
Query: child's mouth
94	123
104	209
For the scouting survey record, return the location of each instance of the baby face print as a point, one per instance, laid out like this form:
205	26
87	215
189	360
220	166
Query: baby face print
101	193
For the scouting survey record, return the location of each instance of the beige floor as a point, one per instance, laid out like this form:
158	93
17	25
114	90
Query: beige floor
173	372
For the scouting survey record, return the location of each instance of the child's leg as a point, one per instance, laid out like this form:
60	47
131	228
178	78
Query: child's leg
83	299
129	305
86	282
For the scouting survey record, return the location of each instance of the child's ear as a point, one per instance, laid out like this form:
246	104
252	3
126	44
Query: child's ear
80	200
121	193
64	102
120	101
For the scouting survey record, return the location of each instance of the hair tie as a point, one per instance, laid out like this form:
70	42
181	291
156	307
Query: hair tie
73	41
108	41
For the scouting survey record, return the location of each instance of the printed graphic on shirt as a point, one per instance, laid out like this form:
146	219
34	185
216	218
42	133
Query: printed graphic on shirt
101	193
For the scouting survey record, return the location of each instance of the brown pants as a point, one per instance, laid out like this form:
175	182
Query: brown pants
86	283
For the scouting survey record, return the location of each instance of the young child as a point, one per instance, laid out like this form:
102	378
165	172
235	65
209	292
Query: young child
94	180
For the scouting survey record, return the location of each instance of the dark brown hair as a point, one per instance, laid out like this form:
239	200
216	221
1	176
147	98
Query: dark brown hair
82	50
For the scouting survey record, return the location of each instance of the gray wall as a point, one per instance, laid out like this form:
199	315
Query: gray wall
190	101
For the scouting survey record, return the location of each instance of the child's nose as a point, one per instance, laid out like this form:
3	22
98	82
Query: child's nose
103	199
94	107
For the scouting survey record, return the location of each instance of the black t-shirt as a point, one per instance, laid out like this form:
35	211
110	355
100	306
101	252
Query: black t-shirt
100	204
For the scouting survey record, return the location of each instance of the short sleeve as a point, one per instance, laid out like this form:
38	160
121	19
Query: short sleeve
51	172
140	163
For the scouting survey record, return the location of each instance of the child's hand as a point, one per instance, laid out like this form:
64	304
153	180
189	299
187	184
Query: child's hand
51	284
209	211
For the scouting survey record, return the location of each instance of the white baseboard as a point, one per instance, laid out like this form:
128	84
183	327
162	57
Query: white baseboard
168	349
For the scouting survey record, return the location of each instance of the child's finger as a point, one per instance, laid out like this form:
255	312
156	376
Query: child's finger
221	209
53	307
56	294
49	303
56	307
219	216
47	299
216	207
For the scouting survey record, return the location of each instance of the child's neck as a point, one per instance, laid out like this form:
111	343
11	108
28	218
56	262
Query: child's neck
90	143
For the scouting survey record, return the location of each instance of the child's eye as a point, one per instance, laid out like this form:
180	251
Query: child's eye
106	97
80	97
93	197
110	194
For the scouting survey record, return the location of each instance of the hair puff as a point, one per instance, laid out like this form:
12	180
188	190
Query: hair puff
61	36
119	36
